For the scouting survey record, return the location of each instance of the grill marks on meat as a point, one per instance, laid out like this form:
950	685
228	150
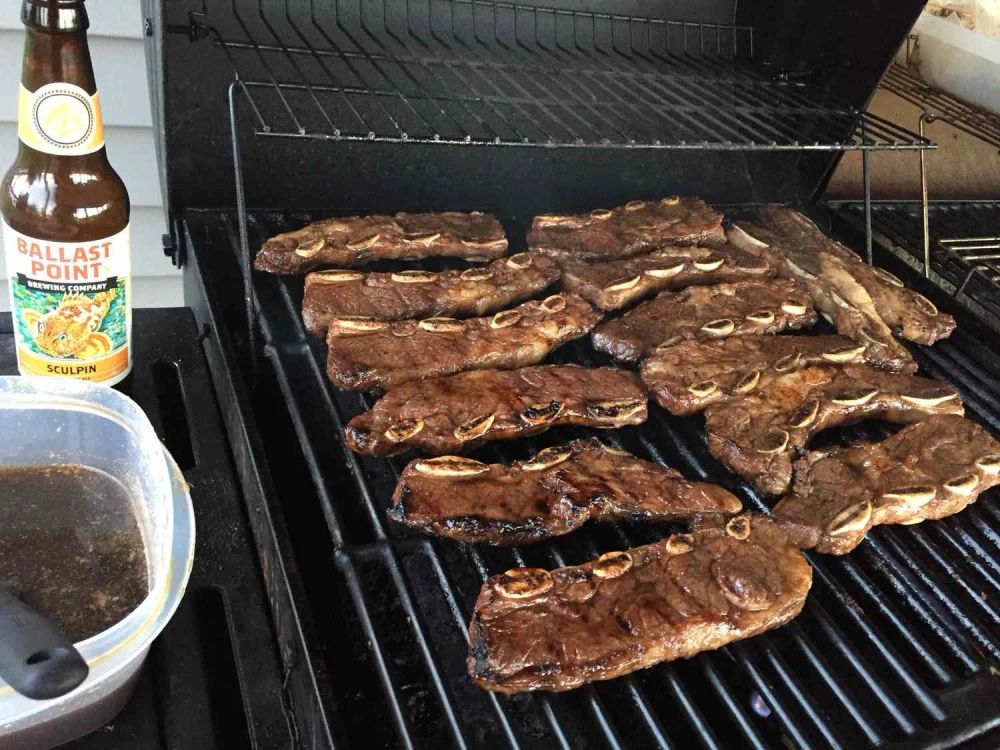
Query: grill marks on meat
366	354
691	375
931	469
355	240
758	436
538	630
554	492
705	313
614	284
636	227
460	412
422	294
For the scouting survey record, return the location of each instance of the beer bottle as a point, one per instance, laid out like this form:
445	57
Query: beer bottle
65	211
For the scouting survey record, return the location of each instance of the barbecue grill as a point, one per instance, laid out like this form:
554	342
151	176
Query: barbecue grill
275	113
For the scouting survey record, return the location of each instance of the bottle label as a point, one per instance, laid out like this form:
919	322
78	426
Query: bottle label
60	118
71	305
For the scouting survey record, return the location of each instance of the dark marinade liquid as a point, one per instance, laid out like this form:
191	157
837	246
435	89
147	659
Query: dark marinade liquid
70	546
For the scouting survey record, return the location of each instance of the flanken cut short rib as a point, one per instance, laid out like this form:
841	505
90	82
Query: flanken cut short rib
614	284
930	469
422	294
706	313
637	227
357	240
533	629
759	435
691	375
366	354
552	493
457	413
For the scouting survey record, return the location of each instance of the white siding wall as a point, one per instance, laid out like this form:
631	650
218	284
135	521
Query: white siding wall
120	66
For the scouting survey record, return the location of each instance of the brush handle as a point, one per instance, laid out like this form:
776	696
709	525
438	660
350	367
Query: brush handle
36	657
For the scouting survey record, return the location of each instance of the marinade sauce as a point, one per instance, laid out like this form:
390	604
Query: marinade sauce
70	546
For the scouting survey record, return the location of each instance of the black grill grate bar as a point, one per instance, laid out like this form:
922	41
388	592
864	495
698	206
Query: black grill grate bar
924	586
357	593
746	727
875	684
379	653
972	597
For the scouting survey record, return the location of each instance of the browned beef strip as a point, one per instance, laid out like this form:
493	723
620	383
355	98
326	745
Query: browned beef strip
930	469
615	283
356	240
911	315
423	294
823	277
691	375
552	493
459	412
759	435
538	630
366	354
636	227
706	312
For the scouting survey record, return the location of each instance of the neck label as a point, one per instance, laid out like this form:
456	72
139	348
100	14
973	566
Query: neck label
60	118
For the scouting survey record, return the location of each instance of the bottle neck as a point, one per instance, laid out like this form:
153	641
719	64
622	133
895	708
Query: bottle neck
59	111
57	57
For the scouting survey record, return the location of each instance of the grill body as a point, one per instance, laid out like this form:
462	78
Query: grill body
566	105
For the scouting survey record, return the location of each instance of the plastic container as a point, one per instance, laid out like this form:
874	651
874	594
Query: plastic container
47	421
964	63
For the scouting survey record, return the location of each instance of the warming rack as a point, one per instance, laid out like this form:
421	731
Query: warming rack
977	253
964	245
475	72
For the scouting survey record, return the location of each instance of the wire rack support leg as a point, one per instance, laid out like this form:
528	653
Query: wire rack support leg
246	260
924	204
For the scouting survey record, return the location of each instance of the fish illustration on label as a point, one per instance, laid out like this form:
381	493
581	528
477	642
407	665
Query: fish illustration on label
71	329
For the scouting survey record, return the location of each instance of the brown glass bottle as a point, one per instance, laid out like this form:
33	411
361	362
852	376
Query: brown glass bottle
65	210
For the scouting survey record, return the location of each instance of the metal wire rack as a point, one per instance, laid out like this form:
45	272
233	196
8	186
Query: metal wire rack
475	72
964	244
940	106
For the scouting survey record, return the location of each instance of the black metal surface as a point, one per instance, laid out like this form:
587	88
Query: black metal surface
897	646
965	246
214	678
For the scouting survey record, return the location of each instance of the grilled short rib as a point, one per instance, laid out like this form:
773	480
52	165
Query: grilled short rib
859	322
423	294
909	314
460	412
636	227
690	375
759	435
614	284
365	354
355	240
536	630
930	469
706	312
554	492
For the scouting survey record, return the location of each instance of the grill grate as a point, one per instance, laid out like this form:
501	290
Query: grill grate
965	246
896	645
473	72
